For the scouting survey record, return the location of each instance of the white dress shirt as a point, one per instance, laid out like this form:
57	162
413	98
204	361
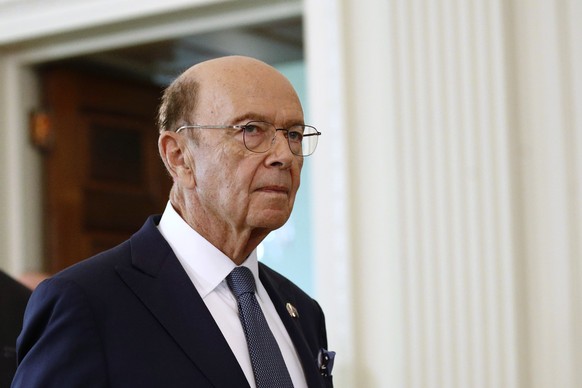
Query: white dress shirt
208	267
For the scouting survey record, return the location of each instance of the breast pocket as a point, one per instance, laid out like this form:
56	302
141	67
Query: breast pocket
328	381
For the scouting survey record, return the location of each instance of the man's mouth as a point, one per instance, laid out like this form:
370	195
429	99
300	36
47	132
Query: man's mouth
274	189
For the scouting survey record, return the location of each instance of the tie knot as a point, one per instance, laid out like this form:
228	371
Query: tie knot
241	281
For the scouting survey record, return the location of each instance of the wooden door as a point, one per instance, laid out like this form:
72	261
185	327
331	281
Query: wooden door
102	172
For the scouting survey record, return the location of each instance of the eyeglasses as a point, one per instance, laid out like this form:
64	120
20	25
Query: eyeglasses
259	136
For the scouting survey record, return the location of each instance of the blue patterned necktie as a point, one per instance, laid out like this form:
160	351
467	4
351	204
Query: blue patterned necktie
268	365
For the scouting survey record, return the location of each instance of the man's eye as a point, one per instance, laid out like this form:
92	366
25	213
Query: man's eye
249	128
295	136
257	128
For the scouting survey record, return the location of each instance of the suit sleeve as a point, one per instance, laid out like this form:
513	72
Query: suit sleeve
59	345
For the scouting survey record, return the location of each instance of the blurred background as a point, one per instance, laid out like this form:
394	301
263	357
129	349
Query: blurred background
439	222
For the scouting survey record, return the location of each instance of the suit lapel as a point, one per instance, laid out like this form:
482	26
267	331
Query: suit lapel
280	297
159	281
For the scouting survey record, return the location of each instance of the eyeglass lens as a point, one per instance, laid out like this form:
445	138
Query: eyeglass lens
258	137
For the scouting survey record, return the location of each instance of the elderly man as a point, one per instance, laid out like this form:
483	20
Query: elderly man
184	302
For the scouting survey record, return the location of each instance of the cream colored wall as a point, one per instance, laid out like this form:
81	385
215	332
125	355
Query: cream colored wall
449	190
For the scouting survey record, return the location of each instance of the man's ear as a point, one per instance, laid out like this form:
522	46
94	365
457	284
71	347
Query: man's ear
174	153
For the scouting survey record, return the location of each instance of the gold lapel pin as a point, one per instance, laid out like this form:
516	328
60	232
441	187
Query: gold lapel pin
292	310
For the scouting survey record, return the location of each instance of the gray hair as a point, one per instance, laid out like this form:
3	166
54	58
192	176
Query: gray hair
178	103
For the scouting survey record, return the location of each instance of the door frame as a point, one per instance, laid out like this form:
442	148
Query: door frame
20	163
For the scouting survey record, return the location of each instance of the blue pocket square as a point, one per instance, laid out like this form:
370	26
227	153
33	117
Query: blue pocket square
325	360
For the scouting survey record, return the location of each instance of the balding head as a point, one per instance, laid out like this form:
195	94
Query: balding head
202	85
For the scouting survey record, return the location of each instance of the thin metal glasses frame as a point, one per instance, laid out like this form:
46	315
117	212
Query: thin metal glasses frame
244	126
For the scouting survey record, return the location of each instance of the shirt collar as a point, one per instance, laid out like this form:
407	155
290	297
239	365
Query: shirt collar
205	264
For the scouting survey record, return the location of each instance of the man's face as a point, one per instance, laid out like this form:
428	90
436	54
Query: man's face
235	186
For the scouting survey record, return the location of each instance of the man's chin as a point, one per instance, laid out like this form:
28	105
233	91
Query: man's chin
271	221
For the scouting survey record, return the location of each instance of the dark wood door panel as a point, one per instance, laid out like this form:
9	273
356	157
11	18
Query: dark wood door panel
102	175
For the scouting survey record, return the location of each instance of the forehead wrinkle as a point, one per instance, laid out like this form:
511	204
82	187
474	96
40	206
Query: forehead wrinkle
250	116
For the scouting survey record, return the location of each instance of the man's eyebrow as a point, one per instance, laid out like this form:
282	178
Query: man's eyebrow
245	118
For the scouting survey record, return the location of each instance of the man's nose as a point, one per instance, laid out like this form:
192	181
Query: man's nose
280	137
280	147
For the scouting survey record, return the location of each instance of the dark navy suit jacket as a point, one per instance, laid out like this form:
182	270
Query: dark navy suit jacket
131	317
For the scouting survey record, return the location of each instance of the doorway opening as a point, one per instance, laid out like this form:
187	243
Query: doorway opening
96	187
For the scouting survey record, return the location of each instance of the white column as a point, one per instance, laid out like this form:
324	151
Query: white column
375	208
21	188
428	219
548	94
4	169
323	20
458	254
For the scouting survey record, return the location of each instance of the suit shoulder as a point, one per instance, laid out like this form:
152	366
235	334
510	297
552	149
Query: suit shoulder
97	268
104	263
